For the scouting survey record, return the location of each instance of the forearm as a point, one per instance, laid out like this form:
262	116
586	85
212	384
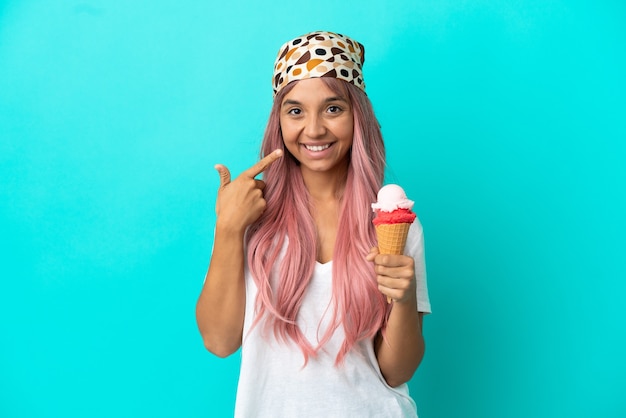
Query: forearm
401	352
221	305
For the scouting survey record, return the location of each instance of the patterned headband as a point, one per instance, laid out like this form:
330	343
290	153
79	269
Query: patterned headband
319	54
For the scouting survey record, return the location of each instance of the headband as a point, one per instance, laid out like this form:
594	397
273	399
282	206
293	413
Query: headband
319	54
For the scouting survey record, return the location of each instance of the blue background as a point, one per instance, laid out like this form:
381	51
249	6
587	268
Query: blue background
505	121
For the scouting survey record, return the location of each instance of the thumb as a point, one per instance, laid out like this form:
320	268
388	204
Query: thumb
224	174
372	254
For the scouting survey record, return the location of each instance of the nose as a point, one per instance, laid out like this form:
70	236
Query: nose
314	127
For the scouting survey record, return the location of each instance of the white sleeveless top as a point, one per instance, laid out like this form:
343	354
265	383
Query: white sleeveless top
273	382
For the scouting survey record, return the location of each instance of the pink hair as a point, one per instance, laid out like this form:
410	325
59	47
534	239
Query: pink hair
357	303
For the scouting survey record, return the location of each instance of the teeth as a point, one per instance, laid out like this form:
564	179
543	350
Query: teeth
317	148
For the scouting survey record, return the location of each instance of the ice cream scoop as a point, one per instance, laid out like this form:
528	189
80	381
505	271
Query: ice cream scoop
392	197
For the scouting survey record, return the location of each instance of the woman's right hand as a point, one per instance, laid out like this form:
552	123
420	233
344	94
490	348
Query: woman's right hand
220	310
240	202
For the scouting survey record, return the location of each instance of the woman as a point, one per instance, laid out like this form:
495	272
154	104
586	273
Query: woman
295	278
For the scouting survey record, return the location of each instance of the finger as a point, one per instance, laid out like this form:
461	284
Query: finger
385	291
224	174
394	273
394	289
371	256
262	165
260	184
393	260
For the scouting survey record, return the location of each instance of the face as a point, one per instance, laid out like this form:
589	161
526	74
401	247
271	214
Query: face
317	126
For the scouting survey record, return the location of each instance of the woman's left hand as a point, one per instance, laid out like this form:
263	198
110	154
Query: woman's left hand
395	275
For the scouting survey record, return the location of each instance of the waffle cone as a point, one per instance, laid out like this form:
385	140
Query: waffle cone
392	237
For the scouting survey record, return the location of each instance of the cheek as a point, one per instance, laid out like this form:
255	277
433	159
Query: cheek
288	131
350	134
346	133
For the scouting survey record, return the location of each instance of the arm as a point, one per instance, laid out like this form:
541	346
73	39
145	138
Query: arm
401	352
221	306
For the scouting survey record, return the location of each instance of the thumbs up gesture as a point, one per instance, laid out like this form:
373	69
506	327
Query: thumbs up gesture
240	202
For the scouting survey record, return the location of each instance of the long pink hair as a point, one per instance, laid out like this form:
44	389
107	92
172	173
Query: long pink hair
357	304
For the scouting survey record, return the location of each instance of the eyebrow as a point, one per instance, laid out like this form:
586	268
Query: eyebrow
327	100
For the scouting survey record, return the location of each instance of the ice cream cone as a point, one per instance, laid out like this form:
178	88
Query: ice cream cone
392	237
393	220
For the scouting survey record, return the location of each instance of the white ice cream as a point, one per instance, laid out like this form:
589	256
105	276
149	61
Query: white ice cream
392	197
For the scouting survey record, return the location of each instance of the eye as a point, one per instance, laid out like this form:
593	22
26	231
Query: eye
294	111
334	109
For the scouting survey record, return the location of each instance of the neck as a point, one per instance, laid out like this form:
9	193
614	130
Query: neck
327	185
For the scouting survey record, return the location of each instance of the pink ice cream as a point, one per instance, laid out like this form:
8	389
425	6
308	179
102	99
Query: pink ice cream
392	206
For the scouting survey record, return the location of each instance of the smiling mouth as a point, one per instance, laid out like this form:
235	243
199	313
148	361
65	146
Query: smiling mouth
317	148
